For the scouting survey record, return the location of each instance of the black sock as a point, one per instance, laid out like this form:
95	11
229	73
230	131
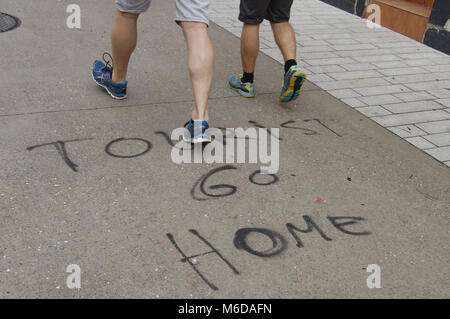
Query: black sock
288	64
247	77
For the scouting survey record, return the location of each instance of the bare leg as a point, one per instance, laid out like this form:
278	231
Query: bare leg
123	39
249	46
285	38
201	65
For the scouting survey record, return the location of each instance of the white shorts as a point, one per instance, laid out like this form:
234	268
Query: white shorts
186	10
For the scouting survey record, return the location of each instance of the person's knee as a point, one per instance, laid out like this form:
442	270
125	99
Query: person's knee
280	24
249	26
127	15
190	26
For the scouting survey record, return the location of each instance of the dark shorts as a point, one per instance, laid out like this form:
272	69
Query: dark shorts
255	11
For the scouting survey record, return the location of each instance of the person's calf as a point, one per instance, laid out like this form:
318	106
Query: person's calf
201	65
285	39
123	42
249	47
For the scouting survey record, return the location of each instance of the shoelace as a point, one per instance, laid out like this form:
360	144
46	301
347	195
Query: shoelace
108	64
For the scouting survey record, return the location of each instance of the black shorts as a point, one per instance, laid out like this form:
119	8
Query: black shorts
255	11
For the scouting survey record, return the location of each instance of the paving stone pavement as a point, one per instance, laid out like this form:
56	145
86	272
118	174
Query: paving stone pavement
399	83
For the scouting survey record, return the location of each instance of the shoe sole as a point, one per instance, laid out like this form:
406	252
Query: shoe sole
107	90
197	140
242	93
294	91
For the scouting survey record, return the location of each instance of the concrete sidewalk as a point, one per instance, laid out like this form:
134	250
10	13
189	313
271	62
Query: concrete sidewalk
127	221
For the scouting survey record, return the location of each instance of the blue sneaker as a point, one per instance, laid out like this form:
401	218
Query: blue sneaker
244	89
101	73
292	84
196	132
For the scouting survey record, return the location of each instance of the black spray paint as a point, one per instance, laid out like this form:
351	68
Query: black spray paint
62	150
202	180
278	242
108	151
188	258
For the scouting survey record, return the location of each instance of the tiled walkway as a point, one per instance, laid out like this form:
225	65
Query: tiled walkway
399	83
